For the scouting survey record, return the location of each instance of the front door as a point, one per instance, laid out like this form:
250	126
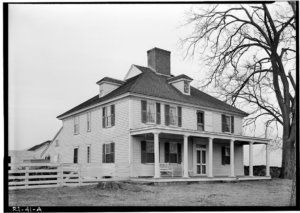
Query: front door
201	161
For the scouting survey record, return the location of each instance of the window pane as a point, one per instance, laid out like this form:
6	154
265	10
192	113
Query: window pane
173	158
198	169
203	169
150	147
173	148
198	156
172	115
107	148
203	157
227	126
150	157
186	87
200	127
227	151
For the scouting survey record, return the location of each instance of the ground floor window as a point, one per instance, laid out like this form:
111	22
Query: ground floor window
108	152
147	149
225	155
172	152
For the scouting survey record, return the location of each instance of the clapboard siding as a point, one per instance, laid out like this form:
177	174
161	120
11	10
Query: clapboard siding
97	136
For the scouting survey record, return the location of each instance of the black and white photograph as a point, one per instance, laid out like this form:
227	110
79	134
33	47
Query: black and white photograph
180	106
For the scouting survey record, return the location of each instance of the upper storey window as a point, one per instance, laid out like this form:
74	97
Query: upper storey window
150	112
76	125
108	116
227	123
173	115
200	121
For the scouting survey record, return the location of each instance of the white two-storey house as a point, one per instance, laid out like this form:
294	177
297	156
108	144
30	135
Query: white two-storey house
153	117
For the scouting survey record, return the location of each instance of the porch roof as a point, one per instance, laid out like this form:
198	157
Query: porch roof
195	133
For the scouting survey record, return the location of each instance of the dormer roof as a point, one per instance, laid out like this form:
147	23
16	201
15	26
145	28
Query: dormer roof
111	80
179	77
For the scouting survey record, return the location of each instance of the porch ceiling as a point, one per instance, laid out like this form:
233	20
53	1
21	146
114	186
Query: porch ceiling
178	133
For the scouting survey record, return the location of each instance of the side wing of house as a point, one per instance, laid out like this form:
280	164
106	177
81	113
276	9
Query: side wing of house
99	135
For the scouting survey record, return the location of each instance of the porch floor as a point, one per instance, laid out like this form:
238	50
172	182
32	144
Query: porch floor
198	179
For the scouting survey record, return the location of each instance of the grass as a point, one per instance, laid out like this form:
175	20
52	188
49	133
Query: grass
275	192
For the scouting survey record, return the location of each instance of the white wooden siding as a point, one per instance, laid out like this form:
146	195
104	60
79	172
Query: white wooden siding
97	136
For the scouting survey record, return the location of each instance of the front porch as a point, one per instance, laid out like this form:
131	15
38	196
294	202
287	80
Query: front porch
209	156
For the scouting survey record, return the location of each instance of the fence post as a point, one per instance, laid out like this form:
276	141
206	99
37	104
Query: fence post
26	175
79	175
62	174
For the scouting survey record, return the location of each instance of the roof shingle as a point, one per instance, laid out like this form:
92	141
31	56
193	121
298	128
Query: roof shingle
151	84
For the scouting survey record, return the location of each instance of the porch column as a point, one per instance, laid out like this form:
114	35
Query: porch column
232	158
251	159
185	155
267	160
210	157
156	155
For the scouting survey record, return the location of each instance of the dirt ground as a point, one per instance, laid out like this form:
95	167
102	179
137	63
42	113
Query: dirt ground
275	192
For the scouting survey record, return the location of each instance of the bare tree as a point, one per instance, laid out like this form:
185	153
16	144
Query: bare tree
249	55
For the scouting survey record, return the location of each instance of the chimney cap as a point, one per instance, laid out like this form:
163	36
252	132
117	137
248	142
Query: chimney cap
159	50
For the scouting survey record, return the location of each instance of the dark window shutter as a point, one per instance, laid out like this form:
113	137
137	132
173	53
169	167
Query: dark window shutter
167	115
223	123
179	152
103	154
144	151
112	152
103	117
144	111
179	116
157	113
223	156
112	109
232	124
167	152
75	155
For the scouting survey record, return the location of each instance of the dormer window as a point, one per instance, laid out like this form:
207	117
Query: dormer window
182	83
107	85
186	87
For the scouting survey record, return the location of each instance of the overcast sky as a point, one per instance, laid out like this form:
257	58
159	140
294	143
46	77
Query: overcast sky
57	53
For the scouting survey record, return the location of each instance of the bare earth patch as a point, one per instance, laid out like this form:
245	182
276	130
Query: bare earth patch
275	192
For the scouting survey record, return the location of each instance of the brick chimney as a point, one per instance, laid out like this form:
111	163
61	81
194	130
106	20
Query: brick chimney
159	60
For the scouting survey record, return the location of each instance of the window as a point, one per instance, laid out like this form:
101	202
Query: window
150	112
101	90
186	87
108	153
108	116
75	159
147	152
225	155
88	115
172	152
76	125
56	143
88	154
227	123
171	117
200	121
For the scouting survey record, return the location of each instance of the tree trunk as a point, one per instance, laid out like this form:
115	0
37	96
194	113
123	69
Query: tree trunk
288	158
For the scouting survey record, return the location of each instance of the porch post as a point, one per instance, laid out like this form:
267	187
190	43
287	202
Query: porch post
232	158
251	159
185	154
267	160
156	155
210	157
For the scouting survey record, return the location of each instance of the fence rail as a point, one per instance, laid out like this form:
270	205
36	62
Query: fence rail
45	175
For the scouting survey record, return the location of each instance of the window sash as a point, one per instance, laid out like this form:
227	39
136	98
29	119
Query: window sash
227	123
88	154
76	124
227	152
173	148
150	147
107	149
108	116
172	115
150	112
186	87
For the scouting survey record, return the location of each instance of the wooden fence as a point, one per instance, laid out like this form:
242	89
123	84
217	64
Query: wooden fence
48	175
